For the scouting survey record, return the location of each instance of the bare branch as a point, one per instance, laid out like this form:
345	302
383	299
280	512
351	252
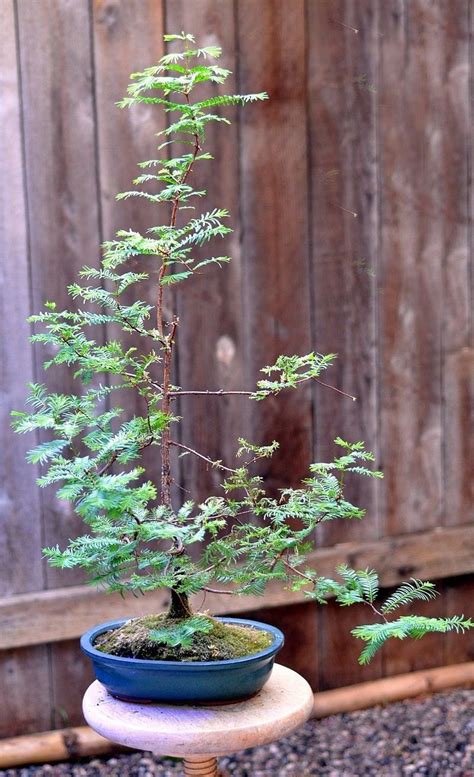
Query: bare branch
216	464
339	391
218	393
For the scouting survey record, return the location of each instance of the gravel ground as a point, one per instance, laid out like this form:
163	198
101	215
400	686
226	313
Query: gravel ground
433	737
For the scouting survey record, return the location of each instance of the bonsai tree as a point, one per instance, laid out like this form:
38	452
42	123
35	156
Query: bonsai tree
137	539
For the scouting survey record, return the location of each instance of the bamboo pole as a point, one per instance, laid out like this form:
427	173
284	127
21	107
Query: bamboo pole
391	689
82	741
62	745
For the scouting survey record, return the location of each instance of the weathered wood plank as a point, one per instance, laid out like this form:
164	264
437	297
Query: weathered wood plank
60	177
64	613
342	102
127	38
457	342
274	192
211	346
299	625
411	655
72	673
459	600
412	253
20	509
60	173
339	650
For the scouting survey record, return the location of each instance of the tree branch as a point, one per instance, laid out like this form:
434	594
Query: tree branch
218	393
217	464
339	391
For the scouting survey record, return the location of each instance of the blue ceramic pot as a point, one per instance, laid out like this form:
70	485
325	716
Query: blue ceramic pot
138	679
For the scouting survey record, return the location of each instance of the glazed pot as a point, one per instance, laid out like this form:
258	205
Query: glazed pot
144	680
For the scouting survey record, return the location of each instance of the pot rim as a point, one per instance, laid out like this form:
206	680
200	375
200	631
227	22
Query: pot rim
88	637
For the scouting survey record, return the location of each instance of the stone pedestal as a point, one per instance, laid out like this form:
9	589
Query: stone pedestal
201	733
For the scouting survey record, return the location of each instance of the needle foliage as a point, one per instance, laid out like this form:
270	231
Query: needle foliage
137	540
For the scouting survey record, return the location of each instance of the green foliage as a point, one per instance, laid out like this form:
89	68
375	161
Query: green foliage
408	593
92	451
415	626
291	371
182	632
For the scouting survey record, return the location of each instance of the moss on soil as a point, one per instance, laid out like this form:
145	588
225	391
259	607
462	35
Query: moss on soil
223	641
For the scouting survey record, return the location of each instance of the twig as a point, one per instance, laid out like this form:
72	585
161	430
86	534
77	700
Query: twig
217	464
339	391
217	591
218	393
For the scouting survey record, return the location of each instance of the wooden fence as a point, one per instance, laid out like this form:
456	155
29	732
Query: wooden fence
352	204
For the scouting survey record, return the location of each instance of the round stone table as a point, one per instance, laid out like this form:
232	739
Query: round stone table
201	733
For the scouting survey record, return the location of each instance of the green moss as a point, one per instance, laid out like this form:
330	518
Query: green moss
222	641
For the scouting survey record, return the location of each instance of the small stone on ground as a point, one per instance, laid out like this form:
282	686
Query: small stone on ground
433	737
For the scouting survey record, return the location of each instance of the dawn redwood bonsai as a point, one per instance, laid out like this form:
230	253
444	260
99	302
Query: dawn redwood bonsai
138	540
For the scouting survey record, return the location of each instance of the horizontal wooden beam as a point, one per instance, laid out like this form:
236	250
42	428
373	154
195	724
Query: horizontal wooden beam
65	613
83	742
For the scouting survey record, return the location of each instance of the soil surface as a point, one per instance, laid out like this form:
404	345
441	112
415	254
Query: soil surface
143	638
433	736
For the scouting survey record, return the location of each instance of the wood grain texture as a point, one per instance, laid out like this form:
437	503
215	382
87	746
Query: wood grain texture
274	193
339	650
410	655
375	121
457	331
65	613
459	596
21	538
60	175
412	73
61	185
342	153
342	104
72	673
299	623
211	345
127	37
284	703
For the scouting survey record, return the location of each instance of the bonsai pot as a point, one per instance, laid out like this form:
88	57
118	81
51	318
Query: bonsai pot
144	680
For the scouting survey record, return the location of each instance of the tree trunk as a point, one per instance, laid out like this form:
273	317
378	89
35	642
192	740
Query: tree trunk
179	607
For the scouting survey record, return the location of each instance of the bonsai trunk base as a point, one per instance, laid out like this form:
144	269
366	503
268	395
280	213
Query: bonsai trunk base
179	606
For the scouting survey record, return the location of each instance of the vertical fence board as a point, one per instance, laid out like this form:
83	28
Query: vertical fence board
459	598
301	278
127	38
274	223
20	512
342	96
339	650
458	351
63	220
411	655
211	347
411	123
72	674
60	180
299	625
